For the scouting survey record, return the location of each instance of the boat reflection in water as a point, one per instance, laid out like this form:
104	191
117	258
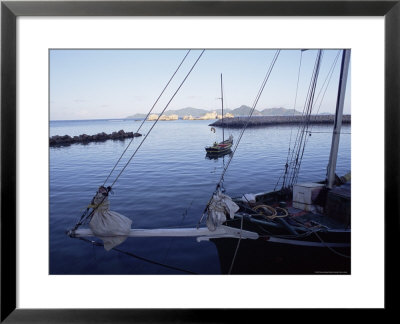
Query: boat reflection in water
217	155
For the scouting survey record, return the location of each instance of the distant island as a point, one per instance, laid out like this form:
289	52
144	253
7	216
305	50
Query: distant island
190	113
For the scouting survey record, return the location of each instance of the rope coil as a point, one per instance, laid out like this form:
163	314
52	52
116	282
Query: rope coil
275	212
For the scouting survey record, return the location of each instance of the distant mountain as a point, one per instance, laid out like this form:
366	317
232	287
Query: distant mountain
136	116
244	110
279	112
195	112
240	111
219	111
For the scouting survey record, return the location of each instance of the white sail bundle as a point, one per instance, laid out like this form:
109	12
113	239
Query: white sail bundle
220	206
111	227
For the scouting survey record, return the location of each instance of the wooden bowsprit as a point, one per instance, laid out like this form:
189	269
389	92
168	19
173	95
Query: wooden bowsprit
202	234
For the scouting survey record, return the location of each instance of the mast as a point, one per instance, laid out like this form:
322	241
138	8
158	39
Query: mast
338	118
222	104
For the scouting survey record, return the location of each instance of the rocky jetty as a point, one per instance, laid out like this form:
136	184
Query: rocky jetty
239	122
66	140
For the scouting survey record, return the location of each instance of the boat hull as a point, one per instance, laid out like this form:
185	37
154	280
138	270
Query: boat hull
282	246
217	150
262	256
220	149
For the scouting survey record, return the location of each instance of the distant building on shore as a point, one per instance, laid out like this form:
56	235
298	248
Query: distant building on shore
188	117
163	117
208	116
170	117
227	115
152	117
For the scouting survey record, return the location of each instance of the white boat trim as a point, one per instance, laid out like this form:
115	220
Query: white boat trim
202	234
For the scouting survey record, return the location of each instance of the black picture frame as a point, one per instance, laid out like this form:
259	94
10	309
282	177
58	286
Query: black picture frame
10	10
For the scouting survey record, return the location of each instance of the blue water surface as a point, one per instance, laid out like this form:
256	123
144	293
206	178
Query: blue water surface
167	184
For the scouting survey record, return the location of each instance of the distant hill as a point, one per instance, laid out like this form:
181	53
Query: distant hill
136	116
195	112
219	111
279	112
240	111
244	110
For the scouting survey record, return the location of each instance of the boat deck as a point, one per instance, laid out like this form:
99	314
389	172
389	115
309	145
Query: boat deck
331	211
308	218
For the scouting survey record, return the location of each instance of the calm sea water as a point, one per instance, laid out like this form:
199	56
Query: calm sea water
167	184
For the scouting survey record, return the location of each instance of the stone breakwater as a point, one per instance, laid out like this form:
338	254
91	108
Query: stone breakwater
66	140
239	122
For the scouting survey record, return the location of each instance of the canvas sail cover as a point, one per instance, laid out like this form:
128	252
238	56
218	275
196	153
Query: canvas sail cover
220	206
111	227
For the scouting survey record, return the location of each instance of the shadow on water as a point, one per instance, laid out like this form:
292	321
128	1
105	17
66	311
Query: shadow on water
216	156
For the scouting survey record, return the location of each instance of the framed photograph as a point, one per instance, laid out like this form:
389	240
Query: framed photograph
125	193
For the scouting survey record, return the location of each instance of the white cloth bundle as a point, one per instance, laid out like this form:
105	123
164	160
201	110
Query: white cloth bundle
112	228
219	206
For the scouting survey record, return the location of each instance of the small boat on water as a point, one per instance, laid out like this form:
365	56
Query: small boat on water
221	148
224	147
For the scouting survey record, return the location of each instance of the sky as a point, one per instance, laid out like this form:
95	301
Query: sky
108	84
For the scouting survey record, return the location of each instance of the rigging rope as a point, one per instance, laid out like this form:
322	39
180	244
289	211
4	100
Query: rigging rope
308	128
237	247
295	155
166	106
328	78
148	114
244	127
251	113
330	248
85	216
303	137
291	127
